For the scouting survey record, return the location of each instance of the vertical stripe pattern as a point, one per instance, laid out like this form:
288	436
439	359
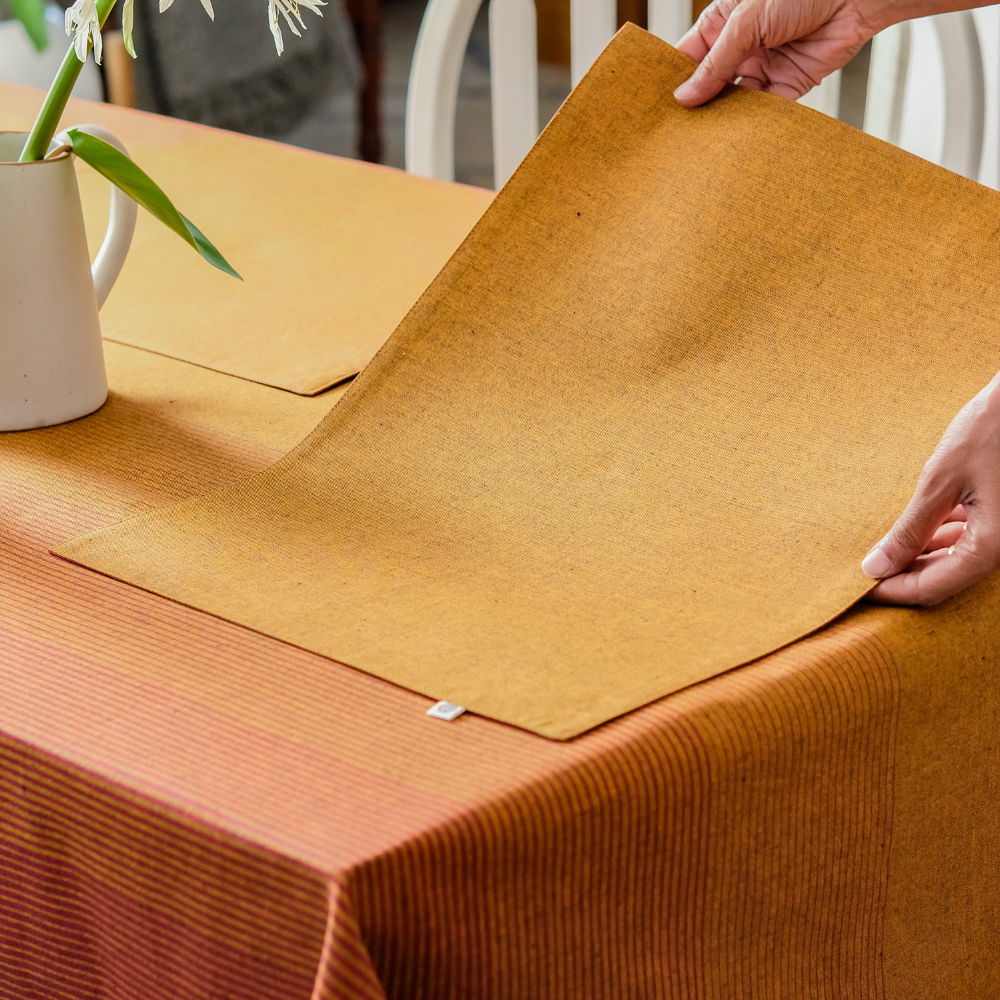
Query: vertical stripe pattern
191	810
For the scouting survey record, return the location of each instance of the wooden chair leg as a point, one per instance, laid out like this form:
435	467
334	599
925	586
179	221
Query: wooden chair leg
119	74
366	18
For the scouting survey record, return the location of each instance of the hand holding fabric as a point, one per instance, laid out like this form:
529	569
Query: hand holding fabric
948	537
784	47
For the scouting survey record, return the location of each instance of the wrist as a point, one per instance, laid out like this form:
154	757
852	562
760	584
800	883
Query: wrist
881	14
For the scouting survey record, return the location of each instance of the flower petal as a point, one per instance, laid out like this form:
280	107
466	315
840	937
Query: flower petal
207	4
81	22
283	7
272	17
128	12
164	4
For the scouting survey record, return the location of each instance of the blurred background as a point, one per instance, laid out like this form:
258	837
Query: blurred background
341	87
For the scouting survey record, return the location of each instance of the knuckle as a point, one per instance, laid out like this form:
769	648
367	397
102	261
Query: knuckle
738	15
935	479
942	470
713	12
905	535
714	68
929	474
743	21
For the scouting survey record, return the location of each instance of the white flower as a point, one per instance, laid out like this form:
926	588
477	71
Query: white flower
81	18
289	9
128	12
207	4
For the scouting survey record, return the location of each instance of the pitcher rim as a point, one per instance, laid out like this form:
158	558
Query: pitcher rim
58	158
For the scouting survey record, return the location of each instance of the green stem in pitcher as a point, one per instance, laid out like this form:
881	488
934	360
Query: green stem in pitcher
55	100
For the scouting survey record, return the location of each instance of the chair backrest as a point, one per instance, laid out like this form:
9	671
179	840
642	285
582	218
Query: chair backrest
964	104
444	35
437	62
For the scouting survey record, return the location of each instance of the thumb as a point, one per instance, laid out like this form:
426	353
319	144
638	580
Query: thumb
909	536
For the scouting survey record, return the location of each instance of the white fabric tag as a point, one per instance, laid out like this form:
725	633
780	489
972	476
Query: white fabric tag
445	710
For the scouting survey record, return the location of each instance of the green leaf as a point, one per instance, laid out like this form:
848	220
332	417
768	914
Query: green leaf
31	13
124	173
206	249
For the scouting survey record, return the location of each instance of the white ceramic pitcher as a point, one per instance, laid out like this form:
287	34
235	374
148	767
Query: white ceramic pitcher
51	355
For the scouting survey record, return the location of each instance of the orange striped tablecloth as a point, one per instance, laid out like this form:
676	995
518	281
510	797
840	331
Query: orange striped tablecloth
192	810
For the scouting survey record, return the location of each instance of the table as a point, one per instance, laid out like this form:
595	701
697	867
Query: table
189	809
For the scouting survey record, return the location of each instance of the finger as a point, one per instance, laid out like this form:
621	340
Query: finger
701	36
934	578
739	37
933	501
959	513
696	42
947	535
785	90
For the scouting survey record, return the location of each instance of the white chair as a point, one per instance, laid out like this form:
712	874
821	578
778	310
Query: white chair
444	34
437	62
964	105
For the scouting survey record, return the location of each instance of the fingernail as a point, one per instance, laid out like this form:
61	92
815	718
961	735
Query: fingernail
684	91
876	564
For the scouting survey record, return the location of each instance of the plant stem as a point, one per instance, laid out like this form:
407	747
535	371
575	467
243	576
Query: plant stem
55	100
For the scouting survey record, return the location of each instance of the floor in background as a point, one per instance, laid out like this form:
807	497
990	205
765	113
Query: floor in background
333	128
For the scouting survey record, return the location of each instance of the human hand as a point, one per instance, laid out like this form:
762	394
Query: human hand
784	47
949	535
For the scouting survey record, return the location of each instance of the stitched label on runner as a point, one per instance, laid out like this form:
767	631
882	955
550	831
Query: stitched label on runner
445	710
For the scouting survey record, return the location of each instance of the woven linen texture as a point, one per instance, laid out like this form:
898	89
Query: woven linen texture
642	427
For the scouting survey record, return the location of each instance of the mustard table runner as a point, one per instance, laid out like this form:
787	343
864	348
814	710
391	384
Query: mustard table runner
333	252
641	429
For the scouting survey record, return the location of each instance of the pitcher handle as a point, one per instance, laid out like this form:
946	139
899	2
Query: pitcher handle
121	225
